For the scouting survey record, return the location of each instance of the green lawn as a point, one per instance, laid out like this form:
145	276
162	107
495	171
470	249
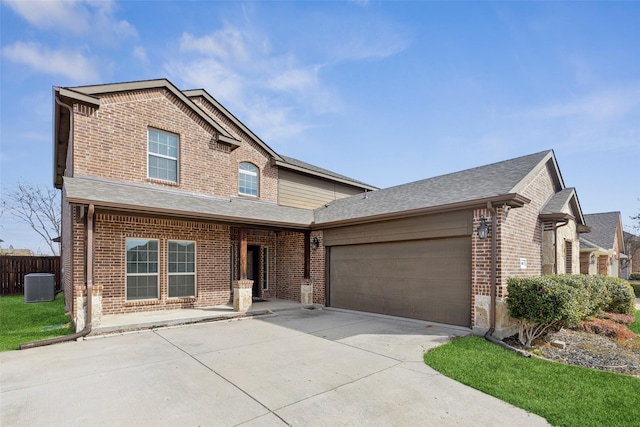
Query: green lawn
564	395
635	326
20	322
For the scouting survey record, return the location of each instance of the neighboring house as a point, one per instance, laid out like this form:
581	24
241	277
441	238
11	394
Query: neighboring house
631	264
170	202
603	248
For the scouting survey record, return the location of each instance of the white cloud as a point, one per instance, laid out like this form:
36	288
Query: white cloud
73	65
602	106
140	54
369	45
226	44
79	17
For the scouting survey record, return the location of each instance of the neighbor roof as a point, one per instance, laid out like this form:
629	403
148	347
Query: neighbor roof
604	227
500	180
141	198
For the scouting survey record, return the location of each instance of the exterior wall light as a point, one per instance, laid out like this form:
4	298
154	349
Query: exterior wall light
315	243
483	228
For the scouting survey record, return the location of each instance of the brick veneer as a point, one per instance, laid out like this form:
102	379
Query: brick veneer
111	142
519	237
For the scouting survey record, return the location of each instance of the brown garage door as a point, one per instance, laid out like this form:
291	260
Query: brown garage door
420	279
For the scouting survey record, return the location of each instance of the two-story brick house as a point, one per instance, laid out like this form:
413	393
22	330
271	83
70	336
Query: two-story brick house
170	202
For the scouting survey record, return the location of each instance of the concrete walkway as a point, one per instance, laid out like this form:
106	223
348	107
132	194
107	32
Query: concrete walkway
294	367
160	318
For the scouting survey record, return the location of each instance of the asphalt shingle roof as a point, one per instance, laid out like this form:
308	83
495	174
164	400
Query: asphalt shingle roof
152	199
558	201
604	227
472	184
313	168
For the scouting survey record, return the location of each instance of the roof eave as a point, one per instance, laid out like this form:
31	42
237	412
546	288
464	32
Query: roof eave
154	84
130	208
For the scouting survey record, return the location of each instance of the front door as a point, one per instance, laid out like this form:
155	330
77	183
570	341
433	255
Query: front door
253	268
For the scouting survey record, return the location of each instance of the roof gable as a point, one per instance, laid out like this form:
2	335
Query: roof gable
195	93
604	229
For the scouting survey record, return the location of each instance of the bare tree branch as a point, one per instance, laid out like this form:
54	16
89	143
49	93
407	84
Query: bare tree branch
38	207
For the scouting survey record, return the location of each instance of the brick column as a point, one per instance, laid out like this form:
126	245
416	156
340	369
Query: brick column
242	295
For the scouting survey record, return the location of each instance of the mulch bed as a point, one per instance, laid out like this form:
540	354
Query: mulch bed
587	350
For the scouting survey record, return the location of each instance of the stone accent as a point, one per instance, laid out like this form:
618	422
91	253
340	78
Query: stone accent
242	295
81	306
306	292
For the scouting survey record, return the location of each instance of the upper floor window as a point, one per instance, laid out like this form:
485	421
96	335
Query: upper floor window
248	179
163	155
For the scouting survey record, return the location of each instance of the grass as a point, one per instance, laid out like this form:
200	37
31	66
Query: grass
564	395
20	322
635	326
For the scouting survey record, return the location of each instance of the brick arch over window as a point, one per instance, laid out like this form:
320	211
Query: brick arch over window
248	179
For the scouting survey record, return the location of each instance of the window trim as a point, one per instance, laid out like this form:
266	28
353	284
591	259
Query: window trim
194	273
127	274
247	172
163	156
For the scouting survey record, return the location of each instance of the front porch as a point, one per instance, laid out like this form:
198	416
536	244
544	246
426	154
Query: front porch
116	323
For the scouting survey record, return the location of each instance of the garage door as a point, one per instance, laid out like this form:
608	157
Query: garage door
420	279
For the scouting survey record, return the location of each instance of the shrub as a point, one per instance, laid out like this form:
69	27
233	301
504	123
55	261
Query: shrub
634	276
543	303
596	296
636	289
607	328
623	319
623	299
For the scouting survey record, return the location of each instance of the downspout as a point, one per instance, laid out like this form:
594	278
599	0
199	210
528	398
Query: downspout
494	269
494	286
87	325
555	243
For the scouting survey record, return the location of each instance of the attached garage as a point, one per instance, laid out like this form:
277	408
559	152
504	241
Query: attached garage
418	268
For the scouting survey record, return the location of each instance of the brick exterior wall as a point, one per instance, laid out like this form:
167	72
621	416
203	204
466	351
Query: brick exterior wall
519	238
112	142
214	243
290	270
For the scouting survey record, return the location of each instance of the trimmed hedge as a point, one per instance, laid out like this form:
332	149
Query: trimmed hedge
636	289
548	302
634	276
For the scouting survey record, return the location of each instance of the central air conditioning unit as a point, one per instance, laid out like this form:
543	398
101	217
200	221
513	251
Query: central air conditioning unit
39	287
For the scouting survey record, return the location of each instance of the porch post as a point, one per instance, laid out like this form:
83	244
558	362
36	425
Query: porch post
243	288
306	288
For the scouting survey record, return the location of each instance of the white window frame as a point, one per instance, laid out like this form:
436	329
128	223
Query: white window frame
144	274
163	156
187	273
254	172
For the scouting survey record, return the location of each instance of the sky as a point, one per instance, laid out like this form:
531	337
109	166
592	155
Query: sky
383	92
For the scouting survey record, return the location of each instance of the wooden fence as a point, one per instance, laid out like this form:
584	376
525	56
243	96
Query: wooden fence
14	268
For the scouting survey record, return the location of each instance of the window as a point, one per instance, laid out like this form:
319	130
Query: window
163	155
182	269
142	269
248	179
568	257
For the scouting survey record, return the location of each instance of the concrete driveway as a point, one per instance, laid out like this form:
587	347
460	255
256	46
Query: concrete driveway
296	367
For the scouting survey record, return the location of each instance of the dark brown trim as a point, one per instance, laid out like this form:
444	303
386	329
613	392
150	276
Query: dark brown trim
307	254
